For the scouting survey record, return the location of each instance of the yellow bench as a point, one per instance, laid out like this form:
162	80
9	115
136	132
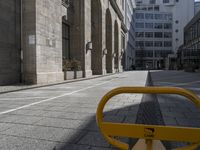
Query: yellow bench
150	134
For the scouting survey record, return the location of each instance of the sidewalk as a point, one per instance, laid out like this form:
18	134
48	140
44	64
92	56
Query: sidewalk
19	87
62	117
176	110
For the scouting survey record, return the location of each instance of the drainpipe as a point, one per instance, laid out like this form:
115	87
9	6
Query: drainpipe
21	44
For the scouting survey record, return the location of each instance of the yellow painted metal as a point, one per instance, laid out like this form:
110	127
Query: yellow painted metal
147	132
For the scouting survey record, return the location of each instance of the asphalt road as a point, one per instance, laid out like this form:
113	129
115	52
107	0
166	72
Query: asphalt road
62	117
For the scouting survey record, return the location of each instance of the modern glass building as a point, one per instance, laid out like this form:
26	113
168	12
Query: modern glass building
189	53
153	36
160	30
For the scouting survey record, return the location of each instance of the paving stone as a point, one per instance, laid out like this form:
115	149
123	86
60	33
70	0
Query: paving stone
45	133
62	123
94	139
5	126
19	143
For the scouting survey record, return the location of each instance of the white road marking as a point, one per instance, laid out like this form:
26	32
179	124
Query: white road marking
50	99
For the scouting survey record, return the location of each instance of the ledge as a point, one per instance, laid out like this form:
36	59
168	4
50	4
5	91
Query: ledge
117	10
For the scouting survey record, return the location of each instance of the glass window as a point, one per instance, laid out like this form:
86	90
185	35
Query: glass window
152	1
149	34
139	44
167	44
148	54
158	44
167	35
148	16
165	1
149	43
158	35
167	26
139	16
66	41
158	16
149	25
156	8
139	25
139	34
150	8
158	26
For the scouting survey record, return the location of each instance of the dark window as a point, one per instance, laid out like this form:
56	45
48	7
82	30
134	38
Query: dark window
139	34
149	43
158	35
66	41
158	26
158	44
167	35
167	26
167	44
149	34
165	1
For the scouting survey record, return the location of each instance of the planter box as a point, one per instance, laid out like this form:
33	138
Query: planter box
70	75
78	74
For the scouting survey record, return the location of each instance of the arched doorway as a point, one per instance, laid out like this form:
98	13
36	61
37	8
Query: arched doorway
116	46
96	34
109	58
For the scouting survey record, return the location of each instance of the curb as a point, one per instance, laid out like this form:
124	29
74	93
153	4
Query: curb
58	83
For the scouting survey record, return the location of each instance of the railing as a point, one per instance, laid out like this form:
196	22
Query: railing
149	133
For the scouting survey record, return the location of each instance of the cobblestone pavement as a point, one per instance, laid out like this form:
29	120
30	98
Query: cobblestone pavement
177	110
62	117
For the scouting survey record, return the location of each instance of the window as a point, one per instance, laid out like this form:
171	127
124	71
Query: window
167	26
167	35
167	44
139	16
158	34
148	16
66	41
158	16
149	25
139	44
158	26
149	43
165	1
156	8
176	30
139	25
177	21
152	1
150	8
139	34
148	53
158	44
149	34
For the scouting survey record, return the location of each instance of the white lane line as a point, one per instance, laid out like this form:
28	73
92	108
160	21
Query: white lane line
50	99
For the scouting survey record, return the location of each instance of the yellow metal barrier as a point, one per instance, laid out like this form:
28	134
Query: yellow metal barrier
147	132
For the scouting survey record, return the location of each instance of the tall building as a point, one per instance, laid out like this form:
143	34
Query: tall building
196	7
129	54
189	52
165	20
38	36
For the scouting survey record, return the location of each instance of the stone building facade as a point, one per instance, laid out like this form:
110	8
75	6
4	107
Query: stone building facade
39	34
